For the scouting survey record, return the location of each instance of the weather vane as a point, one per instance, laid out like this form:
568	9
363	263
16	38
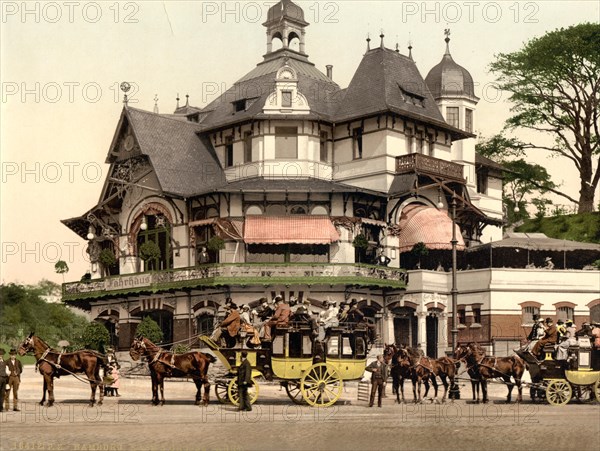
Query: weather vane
125	87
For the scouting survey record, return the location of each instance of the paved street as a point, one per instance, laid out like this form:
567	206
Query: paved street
130	422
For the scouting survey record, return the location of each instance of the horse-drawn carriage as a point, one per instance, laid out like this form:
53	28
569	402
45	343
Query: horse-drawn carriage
311	371
560	379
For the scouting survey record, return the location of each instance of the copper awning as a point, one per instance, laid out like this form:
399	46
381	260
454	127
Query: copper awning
297	229
419	223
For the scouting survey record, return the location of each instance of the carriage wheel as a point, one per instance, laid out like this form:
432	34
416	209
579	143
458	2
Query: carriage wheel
558	392
221	392
321	385
294	391
597	390
234	394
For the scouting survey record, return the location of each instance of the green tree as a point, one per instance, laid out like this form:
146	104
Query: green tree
361	244
61	267
419	250
150	329
95	336
554	85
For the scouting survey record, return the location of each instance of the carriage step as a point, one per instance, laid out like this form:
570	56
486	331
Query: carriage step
363	392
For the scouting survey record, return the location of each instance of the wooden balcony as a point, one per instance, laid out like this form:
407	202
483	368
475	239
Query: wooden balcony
244	274
423	164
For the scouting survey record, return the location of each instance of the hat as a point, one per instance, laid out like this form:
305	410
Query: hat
560	321
548	320
292	298
325	303
233	306
547	259
2	351
245	307
569	321
13	351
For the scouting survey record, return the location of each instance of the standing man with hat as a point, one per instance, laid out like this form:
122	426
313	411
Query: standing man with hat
15	368
244	380
3	379
379	374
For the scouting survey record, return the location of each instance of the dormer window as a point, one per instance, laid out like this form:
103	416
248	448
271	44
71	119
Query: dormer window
239	105
286	99
452	116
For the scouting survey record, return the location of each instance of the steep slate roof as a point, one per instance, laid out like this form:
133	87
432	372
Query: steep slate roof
450	78
388	81
184	164
258	84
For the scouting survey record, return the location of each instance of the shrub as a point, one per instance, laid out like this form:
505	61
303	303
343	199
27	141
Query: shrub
215	244
149	329
95	336
149	251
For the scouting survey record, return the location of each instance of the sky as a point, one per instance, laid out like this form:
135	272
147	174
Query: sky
62	62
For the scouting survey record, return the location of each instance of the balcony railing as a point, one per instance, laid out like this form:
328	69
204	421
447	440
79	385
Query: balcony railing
241	275
416	162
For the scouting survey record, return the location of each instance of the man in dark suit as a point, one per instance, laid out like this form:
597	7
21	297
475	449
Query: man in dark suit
231	326
3	379
15	368
379	374
550	337
244	381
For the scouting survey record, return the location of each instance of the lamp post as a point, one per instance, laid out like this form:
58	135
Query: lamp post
454	290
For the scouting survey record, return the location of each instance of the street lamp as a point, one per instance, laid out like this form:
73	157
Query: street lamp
454	290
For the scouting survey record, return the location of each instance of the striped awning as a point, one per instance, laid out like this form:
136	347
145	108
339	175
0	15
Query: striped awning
421	224
296	229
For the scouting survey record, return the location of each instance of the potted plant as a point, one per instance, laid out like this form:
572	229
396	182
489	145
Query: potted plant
361	244
108	260
149	251
419	250
215	244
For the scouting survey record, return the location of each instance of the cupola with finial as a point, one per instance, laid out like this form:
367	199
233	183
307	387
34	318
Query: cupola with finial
285	21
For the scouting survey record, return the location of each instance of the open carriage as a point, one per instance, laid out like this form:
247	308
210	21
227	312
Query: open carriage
560	380
311	371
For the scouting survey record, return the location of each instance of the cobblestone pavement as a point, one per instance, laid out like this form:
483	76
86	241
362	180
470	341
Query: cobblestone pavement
131	423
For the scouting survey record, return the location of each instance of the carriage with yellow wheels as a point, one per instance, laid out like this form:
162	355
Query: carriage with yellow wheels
311	371
560	380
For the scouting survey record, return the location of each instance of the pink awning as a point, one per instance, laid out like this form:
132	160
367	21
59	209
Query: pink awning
419	223
297	229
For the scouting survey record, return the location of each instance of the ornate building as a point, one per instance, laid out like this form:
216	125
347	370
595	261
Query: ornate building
276	178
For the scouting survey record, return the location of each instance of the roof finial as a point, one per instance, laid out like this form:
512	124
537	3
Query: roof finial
125	87
368	41
397	48
187	100
447	33
156	103
177	100
382	36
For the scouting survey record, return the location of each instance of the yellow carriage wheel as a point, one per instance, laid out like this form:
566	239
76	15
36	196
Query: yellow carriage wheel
221	389
294	392
597	390
234	393
558	392
321	385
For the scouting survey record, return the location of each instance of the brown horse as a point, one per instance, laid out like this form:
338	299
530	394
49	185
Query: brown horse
53	364
166	364
401	359
483	368
427	368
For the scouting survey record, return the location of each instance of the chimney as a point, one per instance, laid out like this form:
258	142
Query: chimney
329	71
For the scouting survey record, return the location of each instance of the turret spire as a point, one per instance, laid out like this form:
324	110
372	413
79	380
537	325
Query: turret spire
447	33
368	41
156	103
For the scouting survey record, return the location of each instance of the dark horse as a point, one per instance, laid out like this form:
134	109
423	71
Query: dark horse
427	368
400	359
53	364
167	364
483	368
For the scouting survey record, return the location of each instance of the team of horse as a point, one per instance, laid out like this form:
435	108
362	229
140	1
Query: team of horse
406	363
410	363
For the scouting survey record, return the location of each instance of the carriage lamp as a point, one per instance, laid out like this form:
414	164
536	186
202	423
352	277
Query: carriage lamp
144	225
91	235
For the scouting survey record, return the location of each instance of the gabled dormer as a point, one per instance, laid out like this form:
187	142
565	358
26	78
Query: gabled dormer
286	98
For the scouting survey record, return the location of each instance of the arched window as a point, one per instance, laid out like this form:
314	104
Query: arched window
205	324
528	313
564	313
595	314
297	210
319	210
254	210
157	231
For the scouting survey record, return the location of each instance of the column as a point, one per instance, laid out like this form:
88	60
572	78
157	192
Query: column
422	330
443	334
388	335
